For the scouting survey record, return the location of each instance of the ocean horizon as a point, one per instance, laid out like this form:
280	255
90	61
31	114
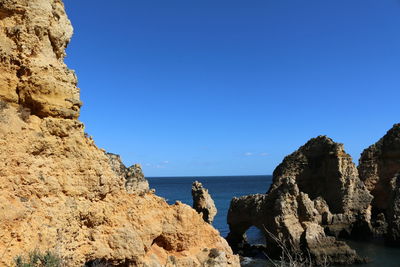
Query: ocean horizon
221	188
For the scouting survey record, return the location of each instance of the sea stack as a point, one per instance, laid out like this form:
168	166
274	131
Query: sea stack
203	203
315	191
58	190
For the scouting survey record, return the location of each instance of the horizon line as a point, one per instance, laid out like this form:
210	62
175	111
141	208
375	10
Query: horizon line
205	176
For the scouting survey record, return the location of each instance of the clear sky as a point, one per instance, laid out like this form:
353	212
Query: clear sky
229	87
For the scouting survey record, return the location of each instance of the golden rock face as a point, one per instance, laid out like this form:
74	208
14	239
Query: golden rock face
58	191
33	38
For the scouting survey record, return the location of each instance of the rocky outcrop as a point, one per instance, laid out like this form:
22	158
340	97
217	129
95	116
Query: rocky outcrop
379	168
289	219
33	37
326	249
393	214
203	203
317	187
323	169
379	164
58	191
135	182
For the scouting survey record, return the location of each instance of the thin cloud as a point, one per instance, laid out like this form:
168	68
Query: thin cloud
249	154
160	165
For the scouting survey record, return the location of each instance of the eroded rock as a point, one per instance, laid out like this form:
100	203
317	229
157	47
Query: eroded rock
33	39
135	182
393	213
326	249
323	169
379	168
58	191
317	186
203	203
379	164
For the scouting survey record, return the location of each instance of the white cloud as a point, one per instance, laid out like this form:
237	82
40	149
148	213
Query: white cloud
249	154
160	165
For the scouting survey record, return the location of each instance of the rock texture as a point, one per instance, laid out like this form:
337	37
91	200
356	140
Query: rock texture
315	190
379	168
135	182
393	214
326	249
33	37
203	203
379	164
323	170
58	191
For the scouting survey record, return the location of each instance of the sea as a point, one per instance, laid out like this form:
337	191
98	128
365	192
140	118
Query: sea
223	188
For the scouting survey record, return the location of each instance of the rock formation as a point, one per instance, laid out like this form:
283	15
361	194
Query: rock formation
133	176
315	190
379	168
33	37
393	214
326	249
203	203
58	191
323	170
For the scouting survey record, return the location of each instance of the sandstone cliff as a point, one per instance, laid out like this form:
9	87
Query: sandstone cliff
58	191
33	37
379	168
315	190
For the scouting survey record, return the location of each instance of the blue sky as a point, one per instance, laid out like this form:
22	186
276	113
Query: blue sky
228	87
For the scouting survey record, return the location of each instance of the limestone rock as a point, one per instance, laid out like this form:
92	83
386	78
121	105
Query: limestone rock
317	186
393	213
379	168
33	38
135	182
203	203
379	164
58	191
323	169
284	216
326	249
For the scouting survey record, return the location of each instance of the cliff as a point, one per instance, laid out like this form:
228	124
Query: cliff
379	168
58	191
315	191
34	35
